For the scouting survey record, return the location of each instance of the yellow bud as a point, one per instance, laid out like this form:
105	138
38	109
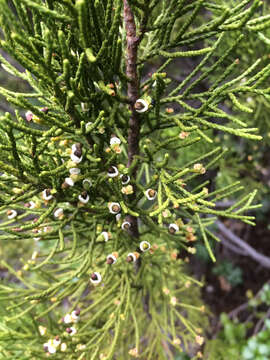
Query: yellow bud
173	301
42	330
176	341
166	291
199	340
134	352
16	190
127	190
183	135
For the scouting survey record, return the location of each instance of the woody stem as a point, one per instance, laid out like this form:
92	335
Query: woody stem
133	94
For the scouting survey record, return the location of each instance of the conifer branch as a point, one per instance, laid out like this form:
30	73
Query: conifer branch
74	177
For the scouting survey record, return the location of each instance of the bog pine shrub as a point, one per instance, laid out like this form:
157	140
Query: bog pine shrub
99	178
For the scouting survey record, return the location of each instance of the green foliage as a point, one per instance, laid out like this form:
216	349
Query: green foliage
231	273
233	339
258	346
247	161
229	342
265	294
91	177
232	343
182	357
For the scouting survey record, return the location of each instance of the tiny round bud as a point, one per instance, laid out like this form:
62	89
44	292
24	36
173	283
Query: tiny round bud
32	205
84	197
29	116
114	208
106	235
46	194
126	225
127	190
76	153
173	300
71	331
59	213
134	352
151	194
50	347
42	330
166	291
113	171
141	105
132	257
199	168
183	135
191	250
75	315
11	214
173	228
176	341
68	182
125	179
95	278
80	347
67	319
145	246
115	140
111	259
56	341
63	347
199	340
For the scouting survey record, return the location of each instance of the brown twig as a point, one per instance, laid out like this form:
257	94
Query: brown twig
231	247
133	95
133	42
261	323
250	251
133	88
